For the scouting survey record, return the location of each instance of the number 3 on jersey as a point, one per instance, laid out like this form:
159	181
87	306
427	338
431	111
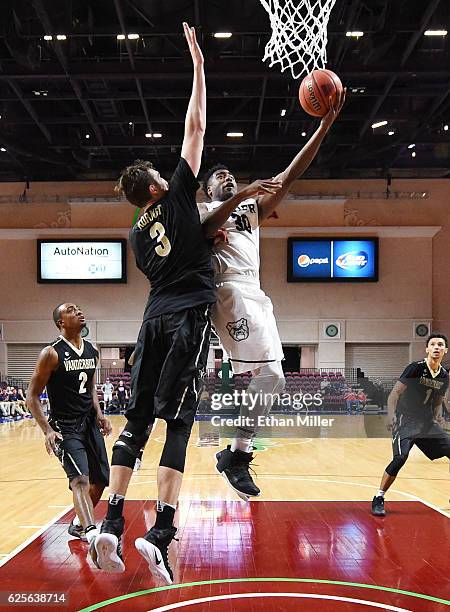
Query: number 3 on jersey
163	247
83	380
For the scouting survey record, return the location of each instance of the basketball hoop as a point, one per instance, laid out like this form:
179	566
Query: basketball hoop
299	34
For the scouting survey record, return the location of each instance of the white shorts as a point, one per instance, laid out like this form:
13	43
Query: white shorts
243	319
107	397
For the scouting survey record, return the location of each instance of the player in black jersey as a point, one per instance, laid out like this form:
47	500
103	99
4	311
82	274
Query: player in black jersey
415	413
76	423
171	248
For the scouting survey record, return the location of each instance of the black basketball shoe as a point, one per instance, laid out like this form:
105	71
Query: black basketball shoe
235	468
378	506
154	547
77	531
108	546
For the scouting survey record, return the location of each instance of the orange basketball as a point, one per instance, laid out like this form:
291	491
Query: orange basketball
316	89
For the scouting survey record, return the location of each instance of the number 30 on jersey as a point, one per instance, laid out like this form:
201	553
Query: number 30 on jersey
163	247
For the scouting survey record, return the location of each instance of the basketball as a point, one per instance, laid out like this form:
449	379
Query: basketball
316	89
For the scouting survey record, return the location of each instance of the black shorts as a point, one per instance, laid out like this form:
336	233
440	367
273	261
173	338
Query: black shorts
435	443
169	366
82	451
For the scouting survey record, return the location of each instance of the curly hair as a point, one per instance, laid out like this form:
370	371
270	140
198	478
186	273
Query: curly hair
208	174
134	182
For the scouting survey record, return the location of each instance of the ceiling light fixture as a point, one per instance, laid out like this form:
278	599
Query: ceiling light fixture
445	127
391	133
61	37
303	134
48	37
435	33
379	124
355	34
413	154
235	134
133	36
120	36
411	146
2	149
283	112
223	34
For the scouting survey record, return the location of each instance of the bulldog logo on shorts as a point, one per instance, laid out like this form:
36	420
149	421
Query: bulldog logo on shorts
238	330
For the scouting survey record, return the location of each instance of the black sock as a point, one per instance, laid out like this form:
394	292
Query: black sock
164	518
115	507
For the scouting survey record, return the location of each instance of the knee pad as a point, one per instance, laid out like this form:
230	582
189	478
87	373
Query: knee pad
174	451
131	443
396	464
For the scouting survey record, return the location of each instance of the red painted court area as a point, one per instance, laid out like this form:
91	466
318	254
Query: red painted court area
260	556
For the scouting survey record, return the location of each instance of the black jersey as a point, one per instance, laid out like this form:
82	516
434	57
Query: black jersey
423	391
69	387
171	249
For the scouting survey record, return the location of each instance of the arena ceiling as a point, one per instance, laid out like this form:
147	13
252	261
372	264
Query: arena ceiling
79	108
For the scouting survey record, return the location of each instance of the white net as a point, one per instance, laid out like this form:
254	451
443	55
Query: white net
299	34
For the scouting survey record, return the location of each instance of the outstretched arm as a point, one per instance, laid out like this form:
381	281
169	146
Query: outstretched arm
195	123
219	215
301	161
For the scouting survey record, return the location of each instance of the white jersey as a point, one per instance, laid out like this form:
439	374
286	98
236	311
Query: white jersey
241	254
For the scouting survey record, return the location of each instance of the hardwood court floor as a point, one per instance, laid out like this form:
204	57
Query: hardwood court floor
33	486
286	556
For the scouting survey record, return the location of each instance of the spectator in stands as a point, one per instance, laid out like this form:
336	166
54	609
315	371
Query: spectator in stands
114	406
21	400
362	399
123	395
4	404
350	400
107	390
16	408
44	401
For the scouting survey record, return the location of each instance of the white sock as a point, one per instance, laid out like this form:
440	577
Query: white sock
242	444
380	493
91	534
160	505
76	521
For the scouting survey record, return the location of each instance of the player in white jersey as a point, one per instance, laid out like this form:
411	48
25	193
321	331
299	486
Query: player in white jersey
243	315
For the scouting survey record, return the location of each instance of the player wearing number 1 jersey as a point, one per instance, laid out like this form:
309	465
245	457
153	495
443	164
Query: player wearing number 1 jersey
415	414
75	426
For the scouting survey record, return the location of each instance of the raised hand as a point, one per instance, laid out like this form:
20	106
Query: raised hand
335	109
196	52
261	187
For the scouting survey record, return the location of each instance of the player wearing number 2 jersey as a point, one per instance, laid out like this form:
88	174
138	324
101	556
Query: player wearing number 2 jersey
76	424
243	314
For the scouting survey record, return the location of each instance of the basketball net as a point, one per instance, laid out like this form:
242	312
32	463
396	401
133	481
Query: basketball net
299	34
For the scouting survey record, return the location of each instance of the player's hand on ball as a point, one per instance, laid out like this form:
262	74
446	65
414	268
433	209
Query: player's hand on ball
335	109
51	442
261	187
104	425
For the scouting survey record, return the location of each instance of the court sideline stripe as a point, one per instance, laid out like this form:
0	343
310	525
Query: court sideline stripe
19	548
